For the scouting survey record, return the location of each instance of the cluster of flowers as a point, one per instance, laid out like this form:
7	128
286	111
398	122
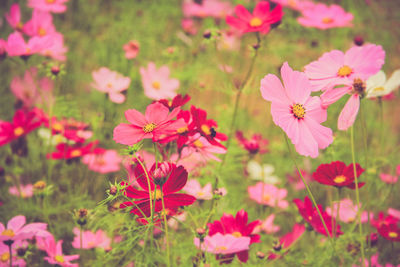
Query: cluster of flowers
44	39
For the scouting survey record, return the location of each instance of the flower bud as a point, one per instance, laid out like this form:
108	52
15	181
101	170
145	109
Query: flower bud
162	173
260	255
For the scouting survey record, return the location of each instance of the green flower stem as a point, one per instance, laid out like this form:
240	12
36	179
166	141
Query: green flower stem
166	228
357	194
148	184
309	193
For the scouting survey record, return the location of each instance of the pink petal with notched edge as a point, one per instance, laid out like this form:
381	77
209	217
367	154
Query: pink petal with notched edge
330	96
349	113
127	134
272	90
135	117
296	84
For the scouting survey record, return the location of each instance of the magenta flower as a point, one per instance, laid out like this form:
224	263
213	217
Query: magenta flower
296	112
260	21
388	178
156	82
16	45
55	6
40	25
112	83
324	17
298	5
91	240
5	255
24	191
223	244
102	160
155	124
14	17
337	68
268	225
17	230
131	49
268	194
200	144
194	188
56	49
207	8
54	252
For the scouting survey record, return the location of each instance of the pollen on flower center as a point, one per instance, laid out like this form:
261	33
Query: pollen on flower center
57	126
59	258
156	85
182	130
298	111
339	179
5	257
20	26
221	248
109	85
393	234
76	153
18	131
255	22
379	89
327	20
206	129
198	144
8	232
237	234
156	194
42	32
149	127
266	197
50	1
344	71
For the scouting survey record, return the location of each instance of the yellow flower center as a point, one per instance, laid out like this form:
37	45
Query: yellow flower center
5	257
344	71
39	185
149	127
20	26
351	219
339	179
393	234
200	194
198	144
42	32
8	232
379	89
157	194
206	129
255	22
327	20
237	234
18	131
28	50
156	85
109	85
76	153
59	258
57	126
220	248
182	130
298	111
292	3
266	197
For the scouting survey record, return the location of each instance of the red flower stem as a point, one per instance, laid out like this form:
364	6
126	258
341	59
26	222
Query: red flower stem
357	195
166	227
148	185
309	193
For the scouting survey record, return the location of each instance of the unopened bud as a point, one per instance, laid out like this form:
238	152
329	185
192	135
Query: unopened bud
55	69
162	173
358	40
260	255
200	231
113	190
277	246
207	34
256	46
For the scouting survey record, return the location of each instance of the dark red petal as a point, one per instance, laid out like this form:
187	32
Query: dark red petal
243	256
141	178
176	180
176	200
134	193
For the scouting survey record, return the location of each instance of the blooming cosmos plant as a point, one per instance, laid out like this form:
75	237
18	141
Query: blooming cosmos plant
296	112
259	21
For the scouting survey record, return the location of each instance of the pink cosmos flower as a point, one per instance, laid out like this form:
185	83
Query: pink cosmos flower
388	178
56	49
156	82
259	21
296	181
325	17
223	244
14	17
207	8
102	160
296	112
91	240
194	188
394	213
288	239
24	191
5	255
156	124
268	194
189	26
40	25
268	225
16	45
17	230
200	144
111	82
54	252
30	90
131	49
3	48
55	6
298	5
229	40
347	211
337	68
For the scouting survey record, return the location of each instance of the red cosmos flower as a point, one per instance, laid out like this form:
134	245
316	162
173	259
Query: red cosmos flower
259	21
157	123
288	239
310	215
254	145
64	151
164	182
177	102
388	227
337	174
236	226
70	128
206	127
22	124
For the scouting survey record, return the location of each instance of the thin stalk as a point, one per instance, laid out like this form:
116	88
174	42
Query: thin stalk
80	235
10	251
166	228
148	184
337	212
357	194
309	193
